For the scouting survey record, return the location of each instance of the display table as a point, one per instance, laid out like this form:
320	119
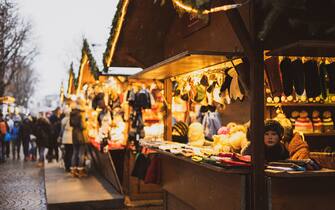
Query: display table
193	185
308	190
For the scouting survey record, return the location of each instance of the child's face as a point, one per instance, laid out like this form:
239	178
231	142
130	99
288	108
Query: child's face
271	138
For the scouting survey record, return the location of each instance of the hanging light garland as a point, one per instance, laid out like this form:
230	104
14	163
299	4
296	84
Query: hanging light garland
195	6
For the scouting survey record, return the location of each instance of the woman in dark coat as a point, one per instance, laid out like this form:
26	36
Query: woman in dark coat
42	132
79	138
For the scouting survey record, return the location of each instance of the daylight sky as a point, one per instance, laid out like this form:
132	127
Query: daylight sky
59	27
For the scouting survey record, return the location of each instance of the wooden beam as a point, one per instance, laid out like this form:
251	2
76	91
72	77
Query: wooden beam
240	30
168	117
259	194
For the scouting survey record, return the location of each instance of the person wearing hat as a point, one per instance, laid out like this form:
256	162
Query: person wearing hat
78	124
274	148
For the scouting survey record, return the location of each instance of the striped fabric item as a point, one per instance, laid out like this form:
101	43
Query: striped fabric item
317	125
328	124
303	124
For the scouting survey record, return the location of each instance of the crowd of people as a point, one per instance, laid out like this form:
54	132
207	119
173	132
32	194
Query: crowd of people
60	136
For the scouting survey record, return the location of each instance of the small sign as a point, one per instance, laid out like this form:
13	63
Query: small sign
192	23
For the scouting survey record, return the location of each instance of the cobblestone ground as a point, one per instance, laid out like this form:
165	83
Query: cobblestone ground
21	186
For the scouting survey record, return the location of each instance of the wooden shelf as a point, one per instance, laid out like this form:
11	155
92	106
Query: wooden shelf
299	174
310	48
302	104
185	62
319	134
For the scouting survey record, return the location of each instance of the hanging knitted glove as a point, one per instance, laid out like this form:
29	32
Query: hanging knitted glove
285	68
331	76
227	81
234	91
312	79
298	76
323	75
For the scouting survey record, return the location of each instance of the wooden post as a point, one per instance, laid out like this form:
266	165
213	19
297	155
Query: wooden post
257	131
168	118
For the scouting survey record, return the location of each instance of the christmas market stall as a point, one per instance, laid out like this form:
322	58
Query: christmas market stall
210	55
182	57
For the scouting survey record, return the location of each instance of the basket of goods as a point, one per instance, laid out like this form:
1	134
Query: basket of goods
324	159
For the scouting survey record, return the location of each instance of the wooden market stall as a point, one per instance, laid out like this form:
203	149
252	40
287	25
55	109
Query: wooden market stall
71	90
165	49
164	39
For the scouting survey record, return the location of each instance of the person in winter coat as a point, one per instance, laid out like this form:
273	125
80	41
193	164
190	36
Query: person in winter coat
66	137
24	137
42	133
79	138
3	130
55	122
15	140
274	148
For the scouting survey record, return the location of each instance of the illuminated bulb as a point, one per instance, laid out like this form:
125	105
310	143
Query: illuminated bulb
276	99
283	98
303	98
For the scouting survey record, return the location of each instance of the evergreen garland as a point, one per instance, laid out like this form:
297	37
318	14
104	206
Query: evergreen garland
92	64
112	33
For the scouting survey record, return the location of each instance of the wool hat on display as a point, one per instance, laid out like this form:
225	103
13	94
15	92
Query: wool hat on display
317	123
294	117
327	122
196	136
179	132
273	125
303	123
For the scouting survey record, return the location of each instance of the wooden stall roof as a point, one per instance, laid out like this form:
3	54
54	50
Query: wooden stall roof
138	28
71	89
183	63
88	70
310	48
